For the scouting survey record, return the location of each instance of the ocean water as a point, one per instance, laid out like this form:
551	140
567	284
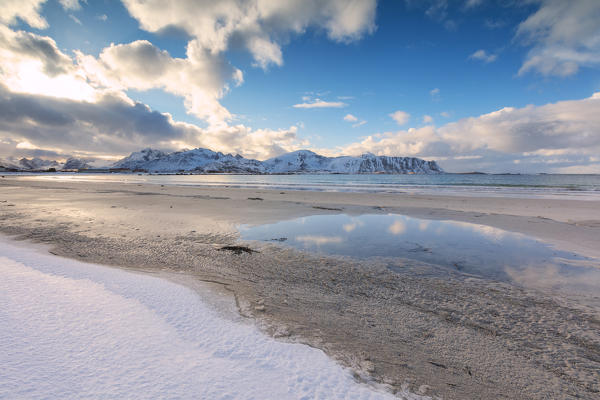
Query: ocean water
584	187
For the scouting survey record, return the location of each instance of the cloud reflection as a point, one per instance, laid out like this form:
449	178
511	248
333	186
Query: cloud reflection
397	228
319	240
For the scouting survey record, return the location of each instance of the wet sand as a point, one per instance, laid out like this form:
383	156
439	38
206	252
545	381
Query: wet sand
436	330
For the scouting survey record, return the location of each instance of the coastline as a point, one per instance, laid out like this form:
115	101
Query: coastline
411	327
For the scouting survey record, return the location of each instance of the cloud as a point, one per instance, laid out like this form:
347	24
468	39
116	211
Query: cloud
397	228
201	78
318	103
427	119
564	36
261	27
400	117
528	138
212	28
68	106
26	10
19	49
75	19
437	10
435	94
34	64
116	125
352	118
319	240
482	55
102	17
70	4
472	3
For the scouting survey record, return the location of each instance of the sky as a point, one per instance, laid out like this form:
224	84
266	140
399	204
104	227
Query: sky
477	85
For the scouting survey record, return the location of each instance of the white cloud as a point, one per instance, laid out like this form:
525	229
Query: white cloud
318	103
564	34
204	76
201	79
70	4
34	64
63	106
445	114
401	117
352	118
102	17
26	10
484	56
258	25
532	135
319	240
435	94
427	119
75	19
397	228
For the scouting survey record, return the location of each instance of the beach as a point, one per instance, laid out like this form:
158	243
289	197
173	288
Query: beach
404	323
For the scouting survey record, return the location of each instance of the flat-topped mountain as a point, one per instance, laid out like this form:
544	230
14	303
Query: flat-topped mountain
308	161
301	161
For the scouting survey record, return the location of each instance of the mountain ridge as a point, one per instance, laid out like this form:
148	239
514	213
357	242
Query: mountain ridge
300	161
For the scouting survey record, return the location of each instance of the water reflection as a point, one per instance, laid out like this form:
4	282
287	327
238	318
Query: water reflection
469	248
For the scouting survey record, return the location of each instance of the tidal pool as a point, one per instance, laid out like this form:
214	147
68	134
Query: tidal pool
473	249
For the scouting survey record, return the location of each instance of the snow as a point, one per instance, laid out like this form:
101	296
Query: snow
301	161
72	330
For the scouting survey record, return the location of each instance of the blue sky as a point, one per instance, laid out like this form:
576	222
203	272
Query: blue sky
445	65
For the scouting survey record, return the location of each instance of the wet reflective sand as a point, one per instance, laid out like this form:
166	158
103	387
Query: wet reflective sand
474	249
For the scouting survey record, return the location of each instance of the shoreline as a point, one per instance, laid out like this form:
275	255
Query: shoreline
421	185
422	326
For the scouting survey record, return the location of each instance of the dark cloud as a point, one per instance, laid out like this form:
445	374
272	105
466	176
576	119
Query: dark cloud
112	124
29	45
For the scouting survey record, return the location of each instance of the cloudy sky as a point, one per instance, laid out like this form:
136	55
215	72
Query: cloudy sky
488	85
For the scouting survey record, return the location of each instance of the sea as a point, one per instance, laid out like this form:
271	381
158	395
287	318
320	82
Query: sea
582	187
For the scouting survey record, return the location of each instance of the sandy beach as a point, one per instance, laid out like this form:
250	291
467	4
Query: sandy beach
420	327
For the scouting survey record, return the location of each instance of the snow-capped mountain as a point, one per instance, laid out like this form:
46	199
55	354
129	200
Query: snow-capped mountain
75	163
308	161
145	157
37	164
188	160
302	161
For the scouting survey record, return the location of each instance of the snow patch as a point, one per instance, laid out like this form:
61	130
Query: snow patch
72	330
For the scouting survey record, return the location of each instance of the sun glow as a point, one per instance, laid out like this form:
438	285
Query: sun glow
30	78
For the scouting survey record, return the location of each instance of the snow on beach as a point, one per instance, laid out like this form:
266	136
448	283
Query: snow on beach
76	330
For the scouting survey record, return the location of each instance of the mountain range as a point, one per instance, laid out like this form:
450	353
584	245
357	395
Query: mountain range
301	161
208	161
39	164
